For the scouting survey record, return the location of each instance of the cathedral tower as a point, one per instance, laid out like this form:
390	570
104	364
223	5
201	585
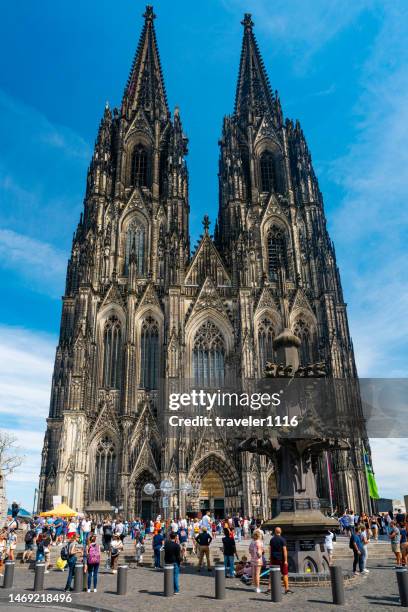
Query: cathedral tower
139	308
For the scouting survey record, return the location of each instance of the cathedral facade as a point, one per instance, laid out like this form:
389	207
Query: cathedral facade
139	307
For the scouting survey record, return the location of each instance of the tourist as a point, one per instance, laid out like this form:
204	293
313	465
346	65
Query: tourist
46	540
3	547
279	556
241	565
365	538
157	544
116	547
72	529
106	535
120	529
357	546
230	551
328	543
93	559
139	547
29	541
245	527
237	526
73	550
172	556
374	527
395	536
256	549
404	544
204	540
400	518
206	521
183	541
11	544
85	529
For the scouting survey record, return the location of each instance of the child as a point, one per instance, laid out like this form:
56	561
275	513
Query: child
241	566
116	547
3	543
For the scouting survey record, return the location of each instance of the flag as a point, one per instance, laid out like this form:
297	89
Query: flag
372	485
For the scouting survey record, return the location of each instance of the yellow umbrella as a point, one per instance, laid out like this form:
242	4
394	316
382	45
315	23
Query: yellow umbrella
60	510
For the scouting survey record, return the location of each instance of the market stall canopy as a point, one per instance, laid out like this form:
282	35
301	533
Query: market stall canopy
60	510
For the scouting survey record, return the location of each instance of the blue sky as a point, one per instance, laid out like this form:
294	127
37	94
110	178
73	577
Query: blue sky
340	68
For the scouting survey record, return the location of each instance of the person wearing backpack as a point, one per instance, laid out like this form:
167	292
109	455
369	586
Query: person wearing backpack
93	556
29	541
71	553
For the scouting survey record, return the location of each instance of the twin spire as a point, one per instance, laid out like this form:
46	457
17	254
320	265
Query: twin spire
254	94
145	87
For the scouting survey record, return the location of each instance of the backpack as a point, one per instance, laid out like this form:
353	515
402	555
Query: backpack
29	536
351	542
65	552
94	555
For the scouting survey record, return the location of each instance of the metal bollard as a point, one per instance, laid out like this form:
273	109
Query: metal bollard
219	582
122	580
168	580
402	580
8	575
337	584
39	576
78	578
276	588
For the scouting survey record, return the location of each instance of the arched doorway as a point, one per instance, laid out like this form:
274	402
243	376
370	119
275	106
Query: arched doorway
145	506
217	486
212	494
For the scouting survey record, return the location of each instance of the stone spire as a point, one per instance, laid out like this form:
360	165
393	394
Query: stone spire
254	97
145	87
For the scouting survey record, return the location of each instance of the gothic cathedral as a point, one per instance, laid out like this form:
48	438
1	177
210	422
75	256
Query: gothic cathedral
140	307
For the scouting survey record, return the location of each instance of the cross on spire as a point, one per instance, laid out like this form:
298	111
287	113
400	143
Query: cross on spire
206	223
149	14
247	21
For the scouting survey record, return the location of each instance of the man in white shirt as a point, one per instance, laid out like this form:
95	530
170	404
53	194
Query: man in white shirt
86	529
206	521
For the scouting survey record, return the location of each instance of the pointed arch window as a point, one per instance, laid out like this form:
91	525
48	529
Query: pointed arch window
265	343
104	482
208	356
306	349
149	354
139	167
135	244
267	164
112	353
277	251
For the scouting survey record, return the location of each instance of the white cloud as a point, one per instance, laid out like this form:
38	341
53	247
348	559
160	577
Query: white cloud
301	31
40	263
25	383
390	458
371	225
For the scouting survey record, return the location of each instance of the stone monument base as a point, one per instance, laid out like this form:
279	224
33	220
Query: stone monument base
304	532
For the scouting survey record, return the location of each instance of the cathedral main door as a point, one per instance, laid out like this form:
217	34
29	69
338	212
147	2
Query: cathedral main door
212	494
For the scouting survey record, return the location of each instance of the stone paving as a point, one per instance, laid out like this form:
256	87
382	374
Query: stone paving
378	591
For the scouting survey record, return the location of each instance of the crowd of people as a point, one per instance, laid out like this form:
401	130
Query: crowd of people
362	529
86	539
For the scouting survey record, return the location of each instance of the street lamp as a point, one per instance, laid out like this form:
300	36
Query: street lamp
166	487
